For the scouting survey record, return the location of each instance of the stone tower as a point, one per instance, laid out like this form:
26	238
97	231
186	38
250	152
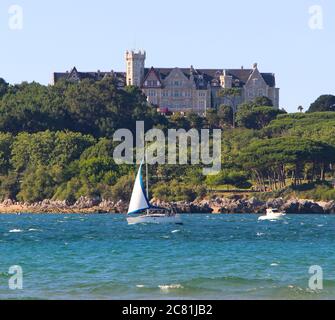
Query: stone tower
135	67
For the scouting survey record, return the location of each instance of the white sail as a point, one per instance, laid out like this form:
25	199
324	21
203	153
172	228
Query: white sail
138	201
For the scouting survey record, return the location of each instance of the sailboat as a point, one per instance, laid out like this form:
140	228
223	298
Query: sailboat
139	203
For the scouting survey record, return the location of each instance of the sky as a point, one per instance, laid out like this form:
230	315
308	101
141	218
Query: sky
283	37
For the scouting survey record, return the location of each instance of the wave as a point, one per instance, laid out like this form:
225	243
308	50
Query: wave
15	230
167	288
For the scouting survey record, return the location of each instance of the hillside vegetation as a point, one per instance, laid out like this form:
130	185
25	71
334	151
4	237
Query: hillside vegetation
56	143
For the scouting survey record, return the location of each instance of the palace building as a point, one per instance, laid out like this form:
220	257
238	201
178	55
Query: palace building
185	89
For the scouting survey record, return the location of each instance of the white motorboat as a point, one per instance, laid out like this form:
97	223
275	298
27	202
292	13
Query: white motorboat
139	203
272	214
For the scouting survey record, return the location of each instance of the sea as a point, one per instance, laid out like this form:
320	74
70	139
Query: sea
209	257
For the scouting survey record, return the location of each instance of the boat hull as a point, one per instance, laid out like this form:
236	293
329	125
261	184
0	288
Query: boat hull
272	217
155	219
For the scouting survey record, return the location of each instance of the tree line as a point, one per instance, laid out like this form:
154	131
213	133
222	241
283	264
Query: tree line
56	143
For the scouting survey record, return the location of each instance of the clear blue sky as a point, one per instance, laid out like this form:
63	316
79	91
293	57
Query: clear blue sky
93	35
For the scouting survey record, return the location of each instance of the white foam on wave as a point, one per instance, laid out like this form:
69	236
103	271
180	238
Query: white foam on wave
15	231
259	234
167	288
140	286
274	264
32	229
175	231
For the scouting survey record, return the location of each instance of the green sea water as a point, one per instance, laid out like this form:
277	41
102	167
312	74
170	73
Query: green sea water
209	257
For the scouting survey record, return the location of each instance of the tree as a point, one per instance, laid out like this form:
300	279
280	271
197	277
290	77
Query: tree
323	103
273	160
3	87
301	109
233	96
37	185
123	188
212	118
9	186
263	102
225	116
97	108
178	120
256	117
229	177
195	120
6	141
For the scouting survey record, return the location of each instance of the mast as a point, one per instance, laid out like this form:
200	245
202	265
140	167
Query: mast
146	174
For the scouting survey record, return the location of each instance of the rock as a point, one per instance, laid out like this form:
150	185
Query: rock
86	203
303	207
8	202
291	206
275	203
313	207
329	207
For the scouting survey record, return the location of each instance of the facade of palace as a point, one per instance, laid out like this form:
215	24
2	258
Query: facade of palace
186	89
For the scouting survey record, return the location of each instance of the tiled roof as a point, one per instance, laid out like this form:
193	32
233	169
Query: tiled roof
211	74
98	75
208	75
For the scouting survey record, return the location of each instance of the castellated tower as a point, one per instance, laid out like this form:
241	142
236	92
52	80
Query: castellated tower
135	67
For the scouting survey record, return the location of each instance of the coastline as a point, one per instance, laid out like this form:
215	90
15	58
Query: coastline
233	205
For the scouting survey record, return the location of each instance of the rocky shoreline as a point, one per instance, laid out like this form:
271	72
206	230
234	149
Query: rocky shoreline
233	205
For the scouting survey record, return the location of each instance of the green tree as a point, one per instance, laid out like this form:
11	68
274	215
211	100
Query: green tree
232	95
37	185
195	120
6	141
3	87
323	103
178	120
225	116
9	186
212	118
256	117
263	102
123	188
